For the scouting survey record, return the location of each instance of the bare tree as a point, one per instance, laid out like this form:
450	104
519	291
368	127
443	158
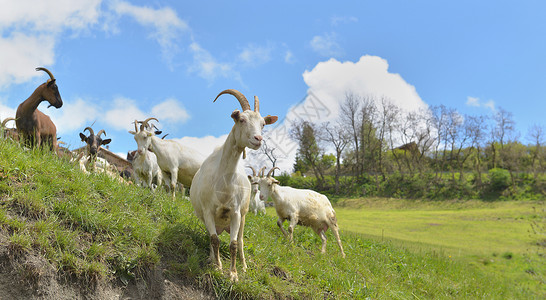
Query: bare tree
416	137
424	137
269	152
440	124
350	118
504	127
369	143
388	128
476	127
501	132
337	136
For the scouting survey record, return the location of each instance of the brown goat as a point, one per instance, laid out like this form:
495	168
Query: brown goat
35	128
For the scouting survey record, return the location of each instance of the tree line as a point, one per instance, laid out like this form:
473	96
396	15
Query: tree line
374	143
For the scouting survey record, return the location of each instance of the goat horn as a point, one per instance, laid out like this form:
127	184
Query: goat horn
238	95
100	132
90	130
145	122
271	171
47	71
136	126
253	170
256	104
6	120
261	173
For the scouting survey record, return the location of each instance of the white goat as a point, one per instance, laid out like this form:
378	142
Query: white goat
256	205
305	207
90	164
220	193
180	162
145	167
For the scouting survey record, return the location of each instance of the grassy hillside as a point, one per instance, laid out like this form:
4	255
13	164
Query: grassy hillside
95	230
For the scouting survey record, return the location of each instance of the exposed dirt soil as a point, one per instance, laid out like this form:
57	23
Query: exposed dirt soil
30	276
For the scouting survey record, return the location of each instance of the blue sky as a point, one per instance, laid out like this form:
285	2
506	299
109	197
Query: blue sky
119	60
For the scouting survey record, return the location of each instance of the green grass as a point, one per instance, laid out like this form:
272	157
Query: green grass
492	236
94	229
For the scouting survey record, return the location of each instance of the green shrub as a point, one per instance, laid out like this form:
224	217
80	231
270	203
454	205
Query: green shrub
499	179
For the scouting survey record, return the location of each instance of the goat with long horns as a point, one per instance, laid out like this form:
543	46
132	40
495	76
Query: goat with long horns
220	191
36	128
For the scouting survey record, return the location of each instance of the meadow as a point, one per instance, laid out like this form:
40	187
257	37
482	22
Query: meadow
505	238
96	231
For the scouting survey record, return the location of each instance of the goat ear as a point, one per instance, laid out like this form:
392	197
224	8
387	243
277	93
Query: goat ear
249	177
236	115
270	119
83	137
106	141
50	82
276	181
132	132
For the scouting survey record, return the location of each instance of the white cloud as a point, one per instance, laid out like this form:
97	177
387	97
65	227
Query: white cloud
205	145
73	115
48	16
171	110
123	113
255	55
29	31
21	54
328	83
490	104
326	45
476	102
167	26
206	66
473	101
7	112
289	57
337	20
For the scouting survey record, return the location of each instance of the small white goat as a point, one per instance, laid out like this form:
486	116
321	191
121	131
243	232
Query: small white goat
305	207
180	162
90	164
256	205
145	167
220	193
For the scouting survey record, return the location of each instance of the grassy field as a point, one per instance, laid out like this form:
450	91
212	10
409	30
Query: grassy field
95	229
496	237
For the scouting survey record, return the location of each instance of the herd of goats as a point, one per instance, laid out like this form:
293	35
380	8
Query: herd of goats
220	190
